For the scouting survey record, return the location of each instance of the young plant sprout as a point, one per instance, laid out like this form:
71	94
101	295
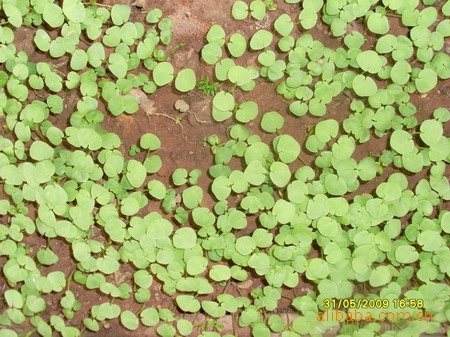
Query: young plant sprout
333	202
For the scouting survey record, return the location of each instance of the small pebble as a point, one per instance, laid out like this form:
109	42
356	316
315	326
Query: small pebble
181	106
138	3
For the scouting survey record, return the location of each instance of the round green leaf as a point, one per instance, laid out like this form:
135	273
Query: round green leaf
186	80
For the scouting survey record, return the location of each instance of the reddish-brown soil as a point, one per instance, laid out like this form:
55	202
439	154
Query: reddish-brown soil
184	146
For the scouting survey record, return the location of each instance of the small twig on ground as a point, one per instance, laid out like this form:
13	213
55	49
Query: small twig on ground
302	161
177	121
198	120
55	69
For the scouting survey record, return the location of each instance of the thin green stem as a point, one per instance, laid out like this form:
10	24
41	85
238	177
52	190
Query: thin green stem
30	333
69	279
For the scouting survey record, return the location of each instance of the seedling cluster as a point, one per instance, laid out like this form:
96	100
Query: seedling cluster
276	221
